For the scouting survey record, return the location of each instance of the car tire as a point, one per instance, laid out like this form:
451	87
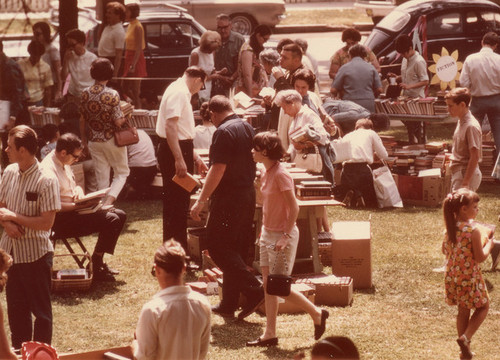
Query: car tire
243	23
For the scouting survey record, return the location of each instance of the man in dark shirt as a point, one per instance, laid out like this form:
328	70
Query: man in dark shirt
229	185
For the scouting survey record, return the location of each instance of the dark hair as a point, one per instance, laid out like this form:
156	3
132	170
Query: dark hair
305	75
77	35
282	44
357	50
204	113
196	72
336	347
295	49
351	34
102	69
36	48
69	142
364	123
5	263
219	104
490	38
270	143
69	111
118	9
303	44
262	30
134	9
49	131
458	95
451	207
403	44
380	121
24	136
171	257
44	28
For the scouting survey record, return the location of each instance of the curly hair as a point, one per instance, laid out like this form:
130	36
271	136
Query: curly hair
5	263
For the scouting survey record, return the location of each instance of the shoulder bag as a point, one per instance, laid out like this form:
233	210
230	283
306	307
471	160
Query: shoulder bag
278	284
309	161
126	135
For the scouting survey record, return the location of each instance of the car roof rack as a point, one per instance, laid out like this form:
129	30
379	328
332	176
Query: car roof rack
162	6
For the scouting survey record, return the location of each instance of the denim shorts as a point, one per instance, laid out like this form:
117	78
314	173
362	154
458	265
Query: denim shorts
269	256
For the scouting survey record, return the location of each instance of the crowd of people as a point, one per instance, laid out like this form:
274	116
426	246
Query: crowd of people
39	200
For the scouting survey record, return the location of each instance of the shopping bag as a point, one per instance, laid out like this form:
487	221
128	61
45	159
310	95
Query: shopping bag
385	188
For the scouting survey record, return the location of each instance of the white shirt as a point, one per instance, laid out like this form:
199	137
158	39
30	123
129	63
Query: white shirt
207	64
305	117
363	143
112	38
79	69
481	73
175	324
176	102
203	136
141	154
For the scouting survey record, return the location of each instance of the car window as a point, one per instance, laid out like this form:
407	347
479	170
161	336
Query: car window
490	21
445	24
171	35
395	21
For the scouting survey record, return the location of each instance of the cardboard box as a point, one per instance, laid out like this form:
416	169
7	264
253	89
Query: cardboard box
330	289
351	252
423	191
196	243
286	307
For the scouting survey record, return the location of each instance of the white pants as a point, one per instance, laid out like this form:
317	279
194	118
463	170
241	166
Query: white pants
107	155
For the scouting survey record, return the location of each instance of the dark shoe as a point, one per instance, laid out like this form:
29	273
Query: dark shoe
227	314
348	198
260	342
494	254
360	202
105	267
464	344
319	330
103	274
252	304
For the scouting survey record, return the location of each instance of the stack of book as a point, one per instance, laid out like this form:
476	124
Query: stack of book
41	115
389	143
488	162
423	162
144	119
435	147
127	108
314	190
441	160
407	106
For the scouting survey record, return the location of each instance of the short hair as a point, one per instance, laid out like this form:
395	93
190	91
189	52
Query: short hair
118	9
77	35
224	17
270	56
357	50
49	131
5	263
69	142
303	44
458	95
36	48
295	49
219	104
351	34
209	37
305	75
195	72
44	28
336	347
204	112
270	142
490	38
24	136
364	124
69	111
101	69
403	43
134	9
287	96
171	257
282	44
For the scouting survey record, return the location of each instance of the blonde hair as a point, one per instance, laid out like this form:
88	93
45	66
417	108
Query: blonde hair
5	263
208	38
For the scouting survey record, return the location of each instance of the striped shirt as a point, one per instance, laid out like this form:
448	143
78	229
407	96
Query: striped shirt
29	193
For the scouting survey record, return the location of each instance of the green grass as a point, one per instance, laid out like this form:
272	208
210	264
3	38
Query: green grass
326	16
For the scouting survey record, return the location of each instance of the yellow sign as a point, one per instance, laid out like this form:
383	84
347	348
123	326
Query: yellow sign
446	69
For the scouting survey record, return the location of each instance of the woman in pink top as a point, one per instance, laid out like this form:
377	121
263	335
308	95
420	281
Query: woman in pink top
280	235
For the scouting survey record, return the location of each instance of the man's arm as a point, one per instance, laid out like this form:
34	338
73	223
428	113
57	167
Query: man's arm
145	343
471	166
214	177
464	76
172	131
43	222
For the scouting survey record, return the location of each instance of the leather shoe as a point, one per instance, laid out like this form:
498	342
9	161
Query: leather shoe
319	330
260	342
227	314
252	304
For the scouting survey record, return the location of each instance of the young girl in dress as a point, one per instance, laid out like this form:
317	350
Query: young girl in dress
280	235
464	250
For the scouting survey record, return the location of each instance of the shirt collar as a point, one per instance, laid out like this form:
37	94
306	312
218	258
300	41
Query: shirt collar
31	169
486	49
171	290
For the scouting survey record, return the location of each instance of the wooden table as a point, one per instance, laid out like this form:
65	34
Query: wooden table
421	118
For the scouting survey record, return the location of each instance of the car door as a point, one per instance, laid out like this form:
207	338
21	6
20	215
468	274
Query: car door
446	29
478	22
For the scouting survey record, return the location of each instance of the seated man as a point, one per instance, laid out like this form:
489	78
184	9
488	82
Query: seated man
175	324
68	222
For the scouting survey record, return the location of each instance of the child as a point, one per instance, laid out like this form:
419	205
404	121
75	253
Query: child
464	251
280	235
204	132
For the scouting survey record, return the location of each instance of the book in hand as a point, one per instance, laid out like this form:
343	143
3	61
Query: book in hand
93	195
188	182
91	209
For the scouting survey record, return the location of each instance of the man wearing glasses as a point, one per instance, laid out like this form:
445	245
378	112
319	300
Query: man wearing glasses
77	63
69	222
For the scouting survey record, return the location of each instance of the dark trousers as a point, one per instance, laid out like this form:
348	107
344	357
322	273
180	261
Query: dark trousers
175	198
140	178
229	233
28	292
108	224
359	178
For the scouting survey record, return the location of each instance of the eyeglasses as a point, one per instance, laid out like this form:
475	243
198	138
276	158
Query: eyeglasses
76	157
223	27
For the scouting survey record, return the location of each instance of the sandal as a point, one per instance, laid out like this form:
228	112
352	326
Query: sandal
464	345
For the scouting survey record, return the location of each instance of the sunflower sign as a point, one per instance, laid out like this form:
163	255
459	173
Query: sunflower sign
446	69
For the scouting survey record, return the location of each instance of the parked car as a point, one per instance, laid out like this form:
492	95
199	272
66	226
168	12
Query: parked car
377	9
453	24
246	14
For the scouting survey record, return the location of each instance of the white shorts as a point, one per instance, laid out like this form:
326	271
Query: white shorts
268	256
457	177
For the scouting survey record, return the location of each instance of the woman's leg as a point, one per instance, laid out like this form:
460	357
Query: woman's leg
271	304
462	320
305	304
476	320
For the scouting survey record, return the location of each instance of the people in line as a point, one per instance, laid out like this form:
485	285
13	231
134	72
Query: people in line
226	56
134	65
205	131
175	323
5	349
480	75
358	81
37	75
464	283
101	115
41	33
29	200
203	57
176	155
230	187
279	235
69	222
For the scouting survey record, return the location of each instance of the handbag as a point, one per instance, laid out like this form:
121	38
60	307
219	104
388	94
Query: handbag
311	162
278	284
385	188
126	135
34	350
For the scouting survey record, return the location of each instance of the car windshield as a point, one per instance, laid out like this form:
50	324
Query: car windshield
395	21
